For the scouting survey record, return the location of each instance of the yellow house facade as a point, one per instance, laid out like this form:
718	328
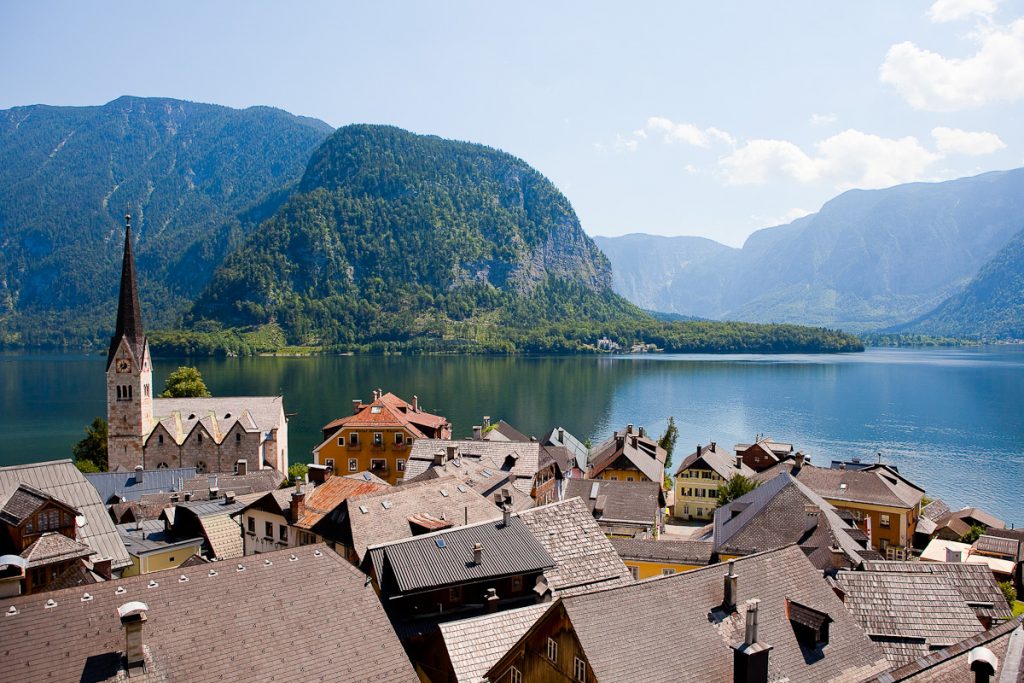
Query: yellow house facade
697	480
648	558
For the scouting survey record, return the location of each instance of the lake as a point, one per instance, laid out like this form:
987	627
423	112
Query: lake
951	419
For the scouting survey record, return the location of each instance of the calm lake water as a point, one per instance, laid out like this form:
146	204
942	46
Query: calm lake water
951	419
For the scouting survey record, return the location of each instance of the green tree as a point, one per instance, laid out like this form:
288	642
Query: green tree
297	470
972	535
185	382
1009	592
91	452
668	440
737	487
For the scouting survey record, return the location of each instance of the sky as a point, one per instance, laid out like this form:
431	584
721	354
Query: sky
676	118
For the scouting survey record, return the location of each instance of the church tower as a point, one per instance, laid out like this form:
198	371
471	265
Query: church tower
129	372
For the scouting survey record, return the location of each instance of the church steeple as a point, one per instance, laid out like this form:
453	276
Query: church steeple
129	313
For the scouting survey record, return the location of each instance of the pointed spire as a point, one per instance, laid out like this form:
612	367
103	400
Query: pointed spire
129	313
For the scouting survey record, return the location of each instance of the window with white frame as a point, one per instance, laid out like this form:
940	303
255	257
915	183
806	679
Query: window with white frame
579	669
378	438
515	675
353	439
399	438
552	649
668	571
353	465
329	463
634	571
400	465
883	521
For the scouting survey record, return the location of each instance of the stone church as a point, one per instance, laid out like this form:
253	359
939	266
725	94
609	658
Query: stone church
210	434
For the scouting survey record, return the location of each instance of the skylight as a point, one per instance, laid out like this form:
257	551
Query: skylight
375	410
461	488
386	504
444	493
364	509
440	542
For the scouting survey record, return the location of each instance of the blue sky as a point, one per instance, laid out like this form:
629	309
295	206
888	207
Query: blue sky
679	118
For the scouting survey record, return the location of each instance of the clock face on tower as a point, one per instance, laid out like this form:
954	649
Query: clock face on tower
124	365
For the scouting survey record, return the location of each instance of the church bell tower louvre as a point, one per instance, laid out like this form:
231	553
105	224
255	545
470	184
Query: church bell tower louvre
129	372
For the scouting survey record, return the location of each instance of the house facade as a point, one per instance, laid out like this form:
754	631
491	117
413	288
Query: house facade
629	455
698	478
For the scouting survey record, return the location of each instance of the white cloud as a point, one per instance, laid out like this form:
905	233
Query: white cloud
622	145
956	141
678	132
928	80
822	119
954	10
849	159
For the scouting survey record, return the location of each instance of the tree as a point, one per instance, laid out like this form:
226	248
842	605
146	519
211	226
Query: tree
668	440
185	382
297	470
972	535
91	452
737	487
1009	592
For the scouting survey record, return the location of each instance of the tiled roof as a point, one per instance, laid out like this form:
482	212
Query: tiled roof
560	436
908	614
446	557
783	511
996	546
21	503
180	416
935	510
714	457
124	484
143	537
503	431
643	452
474	645
622	631
388	410
974	582
1005	641
483	475
584	557
388	511
213	625
521	459
366	475
876	485
327	497
634	502
62	480
53	547
681	552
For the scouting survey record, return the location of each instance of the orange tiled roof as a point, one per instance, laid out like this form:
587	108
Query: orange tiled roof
328	496
393	412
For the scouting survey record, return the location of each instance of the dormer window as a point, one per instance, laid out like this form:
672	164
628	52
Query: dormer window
810	626
375	410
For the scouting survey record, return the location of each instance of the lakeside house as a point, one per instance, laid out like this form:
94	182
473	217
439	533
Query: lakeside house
698	477
624	509
763	453
647	558
628	455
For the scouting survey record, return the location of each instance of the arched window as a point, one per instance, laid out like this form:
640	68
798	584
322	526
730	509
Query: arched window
199	437
130	392
238	437
201	467
118	387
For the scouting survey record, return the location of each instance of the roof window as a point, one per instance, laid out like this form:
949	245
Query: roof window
444	493
363	509
386	504
375	410
461	488
440	543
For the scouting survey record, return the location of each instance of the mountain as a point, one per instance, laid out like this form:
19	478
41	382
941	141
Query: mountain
188	170
393	241
991	306
867	260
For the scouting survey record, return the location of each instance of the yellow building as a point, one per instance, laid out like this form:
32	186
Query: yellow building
648	558
378	436
698	478
629	455
151	551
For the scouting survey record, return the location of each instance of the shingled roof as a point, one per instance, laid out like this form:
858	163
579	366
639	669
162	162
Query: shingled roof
697	553
519	459
642	452
483	475
630	502
53	547
714	457
908	614
622	630
877	485
209	623
475	644
62	480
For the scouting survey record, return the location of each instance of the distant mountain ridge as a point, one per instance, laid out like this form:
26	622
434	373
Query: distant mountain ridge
68	173
868	260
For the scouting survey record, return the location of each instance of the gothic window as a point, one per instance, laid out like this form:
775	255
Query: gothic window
161	465
129	391
199	437
118	392
146	387
160	438
201	467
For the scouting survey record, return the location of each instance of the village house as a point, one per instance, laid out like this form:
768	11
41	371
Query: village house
773	618
536	470
54	522
698	477
784	511
648	558
378	436
1015	536
484	476
953	526
499	431
1000	565
210	622
208	434
214	520
578	452
319	514
763	453
623	509
266	521
629	455
152	547
885	505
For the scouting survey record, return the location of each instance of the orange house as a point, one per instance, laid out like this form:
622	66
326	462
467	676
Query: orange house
378	436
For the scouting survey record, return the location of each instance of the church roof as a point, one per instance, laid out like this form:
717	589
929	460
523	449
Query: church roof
129	313
218	416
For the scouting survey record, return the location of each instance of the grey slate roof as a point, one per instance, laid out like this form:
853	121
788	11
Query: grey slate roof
213	626
475	645
642	451
908	614
876	485
560	436
584	557
53	547
633	502
974	582
145	537
62	480
483	475
622	631
21	503
124	484
445	558
682	552
935	510
526	456
446	498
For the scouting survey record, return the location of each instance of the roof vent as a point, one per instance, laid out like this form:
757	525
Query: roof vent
121	590
153	584
182	579
191	416
444	493
240	568
50	604
317	553
86	597
11	611
213	572
461	488
227	415
267	563
293	557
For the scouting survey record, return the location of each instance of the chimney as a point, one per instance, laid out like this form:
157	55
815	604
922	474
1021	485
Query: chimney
600	504
714	446
174	498
188	496
478	553
103	568
799	458
214	492
561	436
487	421
838	557
139	474
642	431
739	462
632	440
750	658
229	497
842	465
984	664
629	428
478	432
729	598
376	394
506	514
415	403
439	458
355	405
491	600
452	451
133	618
241	467
298	504
698	449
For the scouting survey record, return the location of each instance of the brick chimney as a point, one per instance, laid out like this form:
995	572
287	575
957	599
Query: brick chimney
415	403
750	658
729	594
133	618
478	432
629	428
298	503
103	568
641	431
355	405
